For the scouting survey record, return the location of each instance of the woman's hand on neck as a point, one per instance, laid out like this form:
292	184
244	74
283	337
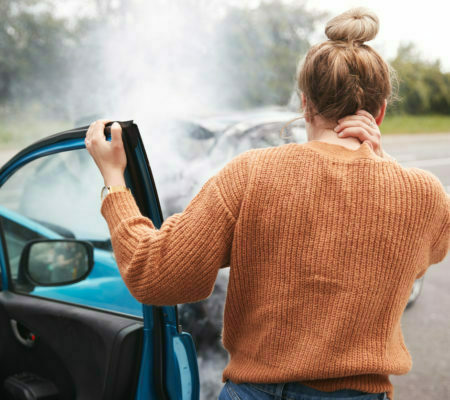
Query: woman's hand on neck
323	132
352	131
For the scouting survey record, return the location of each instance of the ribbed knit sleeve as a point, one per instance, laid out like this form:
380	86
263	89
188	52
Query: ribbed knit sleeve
441	242
179	262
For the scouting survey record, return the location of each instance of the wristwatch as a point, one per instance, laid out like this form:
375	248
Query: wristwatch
112	189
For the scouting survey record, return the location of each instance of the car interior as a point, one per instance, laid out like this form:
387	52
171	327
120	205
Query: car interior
58	351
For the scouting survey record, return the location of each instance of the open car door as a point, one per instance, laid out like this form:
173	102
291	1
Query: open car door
84	338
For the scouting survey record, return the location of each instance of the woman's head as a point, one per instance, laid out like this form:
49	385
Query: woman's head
342	75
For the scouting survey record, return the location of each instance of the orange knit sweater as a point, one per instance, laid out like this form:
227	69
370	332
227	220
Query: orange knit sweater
323	244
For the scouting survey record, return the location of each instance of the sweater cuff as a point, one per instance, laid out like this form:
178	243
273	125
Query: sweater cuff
117	207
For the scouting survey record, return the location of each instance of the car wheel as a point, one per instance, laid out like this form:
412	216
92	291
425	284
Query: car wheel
415	292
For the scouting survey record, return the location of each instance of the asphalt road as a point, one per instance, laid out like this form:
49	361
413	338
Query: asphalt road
426	325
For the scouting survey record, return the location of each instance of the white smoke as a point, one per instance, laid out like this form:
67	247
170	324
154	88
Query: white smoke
152	62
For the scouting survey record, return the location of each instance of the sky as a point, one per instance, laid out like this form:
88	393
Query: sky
426	23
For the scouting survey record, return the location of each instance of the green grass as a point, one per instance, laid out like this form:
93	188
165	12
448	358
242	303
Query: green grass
415	124
23	128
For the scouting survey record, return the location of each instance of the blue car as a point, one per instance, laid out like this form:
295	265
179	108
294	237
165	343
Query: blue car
70	327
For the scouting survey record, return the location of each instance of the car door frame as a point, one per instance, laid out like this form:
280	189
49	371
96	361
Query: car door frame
169	368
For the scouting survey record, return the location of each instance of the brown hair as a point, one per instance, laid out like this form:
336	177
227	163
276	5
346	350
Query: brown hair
342	75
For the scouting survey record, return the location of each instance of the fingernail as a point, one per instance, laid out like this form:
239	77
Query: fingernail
340	134
337	128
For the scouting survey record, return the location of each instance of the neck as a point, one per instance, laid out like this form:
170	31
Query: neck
325	133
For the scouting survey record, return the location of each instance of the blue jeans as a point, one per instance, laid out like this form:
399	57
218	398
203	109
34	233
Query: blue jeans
289	391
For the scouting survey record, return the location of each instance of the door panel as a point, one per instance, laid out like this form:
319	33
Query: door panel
87	354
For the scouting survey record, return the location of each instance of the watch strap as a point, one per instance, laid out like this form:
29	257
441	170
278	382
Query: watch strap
112	189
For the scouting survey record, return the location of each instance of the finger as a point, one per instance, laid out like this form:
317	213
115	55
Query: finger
98	130
367	114
116	135
102	121
89	131
369	143
356	118
355	123
92	126
357	132
88	146
375	149
364	136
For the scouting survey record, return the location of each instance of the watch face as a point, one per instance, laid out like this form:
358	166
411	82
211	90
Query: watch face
105	191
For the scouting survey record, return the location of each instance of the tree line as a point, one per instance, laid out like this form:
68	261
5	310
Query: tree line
253	53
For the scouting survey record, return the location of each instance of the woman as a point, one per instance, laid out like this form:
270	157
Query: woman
324	239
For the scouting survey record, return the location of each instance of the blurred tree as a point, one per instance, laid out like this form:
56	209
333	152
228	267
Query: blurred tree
34	49
424	88
246	54
259	48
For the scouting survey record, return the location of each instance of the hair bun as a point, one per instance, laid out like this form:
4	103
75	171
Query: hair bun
356	25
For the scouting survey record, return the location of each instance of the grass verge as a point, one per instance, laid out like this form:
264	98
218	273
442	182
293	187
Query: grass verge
415	124
22	127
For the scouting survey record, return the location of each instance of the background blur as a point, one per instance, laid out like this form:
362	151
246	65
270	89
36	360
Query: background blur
61	62
65	64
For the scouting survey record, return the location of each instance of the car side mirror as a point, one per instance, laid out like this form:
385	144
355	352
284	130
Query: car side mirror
56	262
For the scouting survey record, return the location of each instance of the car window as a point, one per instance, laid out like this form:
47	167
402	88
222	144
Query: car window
58	197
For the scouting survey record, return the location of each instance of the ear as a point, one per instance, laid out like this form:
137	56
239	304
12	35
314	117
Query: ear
381	114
